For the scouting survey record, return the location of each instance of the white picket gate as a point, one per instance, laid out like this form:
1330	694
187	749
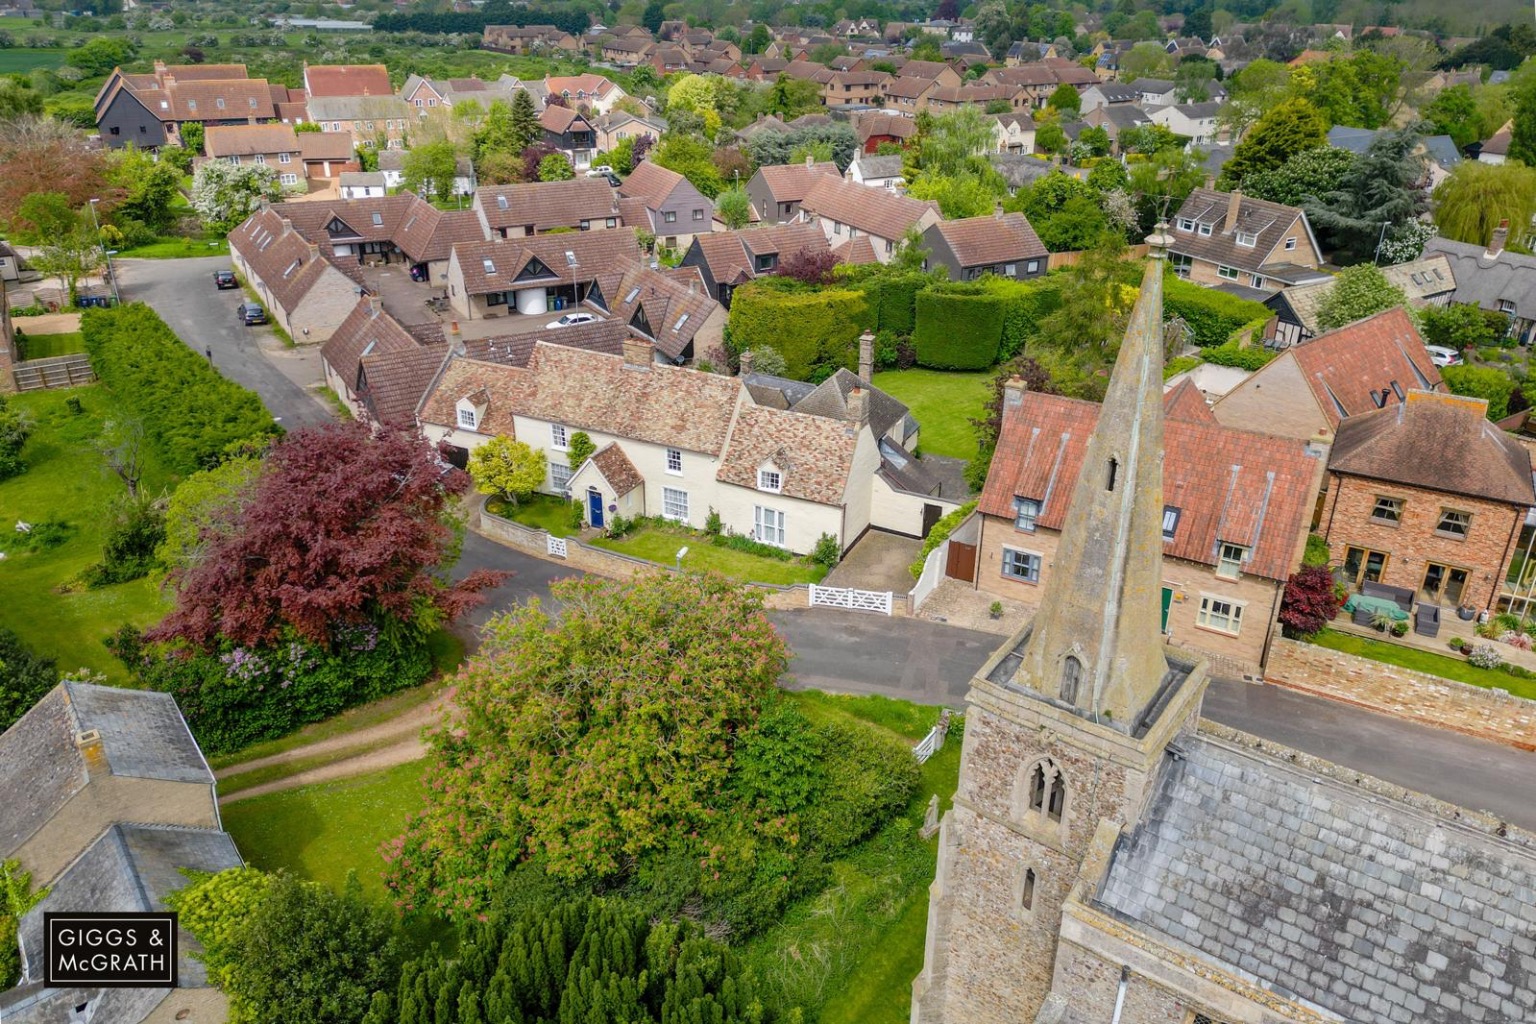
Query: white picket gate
557	546
846	597
934	741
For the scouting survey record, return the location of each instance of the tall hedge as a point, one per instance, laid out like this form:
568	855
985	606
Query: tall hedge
1212	315
959	326
892	300
189	411
1025	304
810	327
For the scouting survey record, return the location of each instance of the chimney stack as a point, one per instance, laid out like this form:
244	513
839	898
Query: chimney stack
1013	393
810	160
456	340
1210	181
746	362
866	356
638	354
1497	242
858	406
93	753
1233	203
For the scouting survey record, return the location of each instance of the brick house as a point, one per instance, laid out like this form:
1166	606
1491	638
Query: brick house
534	275
269	145
729	259
570	133
1425	282
877	127
776	190
1235	511
305	293
1229	238
346	80
147	110
854	89
586	91
847	213
1427	496
1493	278
326	155
1005	245
535	207
666	204
378	121
1308	390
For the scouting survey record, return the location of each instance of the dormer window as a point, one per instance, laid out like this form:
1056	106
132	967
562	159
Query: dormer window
1247	239
1025	513
770	480
1229	563
1185	224
1205	230
191	104
219	102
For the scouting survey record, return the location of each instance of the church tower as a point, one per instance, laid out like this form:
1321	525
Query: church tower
1069	720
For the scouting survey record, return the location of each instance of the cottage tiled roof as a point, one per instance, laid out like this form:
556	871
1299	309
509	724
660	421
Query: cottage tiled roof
421	230
605	336
1508	277
879	166
1409	442
347	80
830	398
1498	143
616	468
872	211
392	383
559	119
974	92
568	258
217	100
929	69
1026	75
583	85
325	145
547	204
725	256
984	241
1369	908
662	308
659	404
366	330
650	182
1270	222
857	252
1229	485
249	139
904	88
285	262
1185	402
789	183
814	454
1345	366
894	125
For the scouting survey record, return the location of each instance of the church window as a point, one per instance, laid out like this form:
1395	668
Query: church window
1037	788
1114	471
1071	675
1027	896
1058	798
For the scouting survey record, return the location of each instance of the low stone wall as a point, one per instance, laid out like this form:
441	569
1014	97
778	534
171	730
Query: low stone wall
1417	696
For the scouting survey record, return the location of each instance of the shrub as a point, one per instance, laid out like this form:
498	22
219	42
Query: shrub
712	524
43	536
191	414
1481	382
1179	364
1317	552
809	327
1310	602
575	515
1515	639
866	780
24	678
1461	325
959	327
15	428
1230	354
137	530
939	534
579	449
741	542
1212	316
1025	305
1485	656
827	551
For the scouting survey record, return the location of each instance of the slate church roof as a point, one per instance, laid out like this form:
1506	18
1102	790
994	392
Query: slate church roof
1367	906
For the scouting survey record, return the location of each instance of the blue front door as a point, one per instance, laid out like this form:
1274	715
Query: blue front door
595	509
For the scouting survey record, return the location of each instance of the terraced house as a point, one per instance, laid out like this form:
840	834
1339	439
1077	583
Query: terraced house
148	110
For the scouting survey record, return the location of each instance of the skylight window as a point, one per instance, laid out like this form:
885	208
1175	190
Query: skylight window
490	268
570	258
378	220
291	268
369	348
680	321
632	293
501	202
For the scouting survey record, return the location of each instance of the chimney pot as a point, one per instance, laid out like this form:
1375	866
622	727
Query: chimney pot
858	406
746	362
810	160
1013	392
1233	202
866	356
1500	238
638	353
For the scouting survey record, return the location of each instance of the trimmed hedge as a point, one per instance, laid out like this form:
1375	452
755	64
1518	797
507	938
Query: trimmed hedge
190	413
1212	316
1025	304
1231	354
893	300
809	327
959	326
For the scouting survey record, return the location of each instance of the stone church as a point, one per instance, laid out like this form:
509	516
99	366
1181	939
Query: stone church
1110	858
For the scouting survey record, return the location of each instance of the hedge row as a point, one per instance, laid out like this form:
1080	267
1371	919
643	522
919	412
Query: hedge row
190	413
809	327
1025	304
1212	316
959	326
892	300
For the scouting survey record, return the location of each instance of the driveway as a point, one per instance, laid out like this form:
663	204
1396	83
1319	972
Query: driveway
182	292
878	561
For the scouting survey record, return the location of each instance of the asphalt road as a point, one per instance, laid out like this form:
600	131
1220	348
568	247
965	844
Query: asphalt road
182	292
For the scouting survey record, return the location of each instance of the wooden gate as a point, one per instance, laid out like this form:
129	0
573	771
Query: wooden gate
962	561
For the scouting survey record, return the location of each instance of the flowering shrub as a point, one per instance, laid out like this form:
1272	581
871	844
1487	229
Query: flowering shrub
1514	639
1485	656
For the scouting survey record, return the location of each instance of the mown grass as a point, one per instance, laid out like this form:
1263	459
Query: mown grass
66	480
44	346
21	61
943	404
539	511
662	545
287	769
176	248
1445	666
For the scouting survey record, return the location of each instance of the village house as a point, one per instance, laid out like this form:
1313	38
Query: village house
1014	133
1493	278
626	52
521	40
879	219
268	145
619	125
326	155
666	204
147	110
363	185
729	259
589	92
876	172
1227	237
670	308
379	121
532	276
1005	245
1193	121
1309	389
1425	282
570	133
1114	119
1400	513
875	127
370	360
948	99
324	80
908	96
392	167
534	207
776	190
428	95
1107	94
854	89
304	292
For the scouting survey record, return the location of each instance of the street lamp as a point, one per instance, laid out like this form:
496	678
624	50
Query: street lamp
108	253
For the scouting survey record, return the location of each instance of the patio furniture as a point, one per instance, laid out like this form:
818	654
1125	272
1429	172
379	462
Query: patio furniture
1376	606
1401	596
1362	617
1426	619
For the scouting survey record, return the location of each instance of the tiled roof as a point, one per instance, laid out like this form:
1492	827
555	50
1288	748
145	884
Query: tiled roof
359	108
576	256
1361	906
857	252
393	382
222	99
929	69
984	241
588	83
871	166
674	311
1269	221
1439	442
590	391
547	204
789	183
605	336
1344	366
347	80
872	211
814	454
559	119
1185	402
325	145
974	92
285	262
420	229
725	256
1229	485
367	329
650	182
616	468
908	88
894	125
634	213
830	398
250	139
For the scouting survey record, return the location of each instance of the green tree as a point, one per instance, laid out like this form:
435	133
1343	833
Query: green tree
1484	382
1144	60
224	195
19	100
655	13
952	144
958	197
1255	91
70	257
690	157
1477	197
734	207
556	167
24	678
192	137
1454	112
1380	188
1095	142
1050	138
100	54
1462	325
44	215
1161	183
1066	99
203	508
1192	81
579	449
1357	90
1064	211
149	187
1357	292
1289	128
757	40
1312	172
507	467
428	169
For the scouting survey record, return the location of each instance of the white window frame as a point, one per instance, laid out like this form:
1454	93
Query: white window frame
1226	273
285	158
1205	230
674	504
1462	519
1186	224
768	526
1229	560
1229	622
560	474
770	480
559	437
469	419
675	461
1247	239
1031	561
1290	245
1022	521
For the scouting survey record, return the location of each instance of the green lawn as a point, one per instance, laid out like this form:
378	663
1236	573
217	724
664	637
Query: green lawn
66	480
176	248
661	546
943	404
540	511
319	832
1445	666
41	346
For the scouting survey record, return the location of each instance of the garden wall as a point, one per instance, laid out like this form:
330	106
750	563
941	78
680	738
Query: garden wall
1403	693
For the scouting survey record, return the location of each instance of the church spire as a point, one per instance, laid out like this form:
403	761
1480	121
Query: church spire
1095	642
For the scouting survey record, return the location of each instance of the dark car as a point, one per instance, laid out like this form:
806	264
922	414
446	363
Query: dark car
613	179
225	279
250	313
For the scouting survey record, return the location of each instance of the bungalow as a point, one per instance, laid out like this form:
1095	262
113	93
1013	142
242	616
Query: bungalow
666	204
1308	390
1004	245
392	166
569	133
876	172
269	145
1493	278
728	259
1235	510
305	293
533	275
1227	237
848	212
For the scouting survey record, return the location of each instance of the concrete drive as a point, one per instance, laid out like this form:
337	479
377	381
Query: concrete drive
878	561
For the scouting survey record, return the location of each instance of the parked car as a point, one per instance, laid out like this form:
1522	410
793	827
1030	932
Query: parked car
1442	356
250	313
600	171
225	279
572	318
613	180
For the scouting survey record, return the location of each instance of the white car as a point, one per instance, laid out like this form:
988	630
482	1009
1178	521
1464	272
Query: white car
571	319
600	171
1442	356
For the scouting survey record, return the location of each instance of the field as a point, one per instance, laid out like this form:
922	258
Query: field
22	61
943	405
65	480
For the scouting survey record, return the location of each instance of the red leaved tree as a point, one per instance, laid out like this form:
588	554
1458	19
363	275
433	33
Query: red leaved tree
808	266
1310	601
44	155
345	526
